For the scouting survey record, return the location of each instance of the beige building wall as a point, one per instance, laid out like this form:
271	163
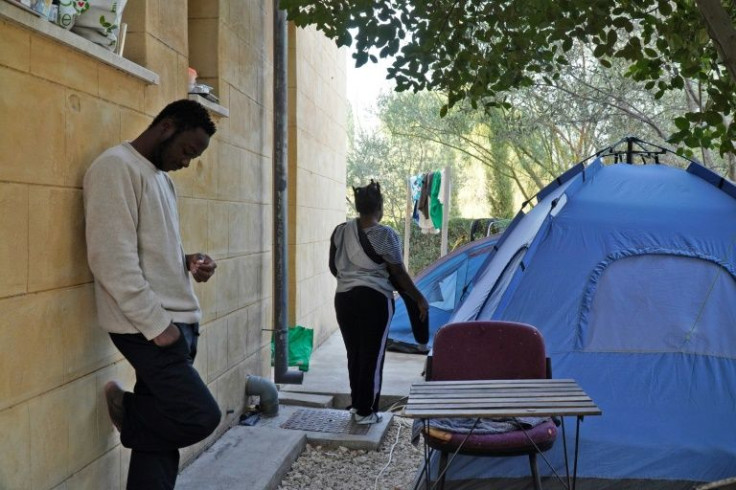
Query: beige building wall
65	100
317	145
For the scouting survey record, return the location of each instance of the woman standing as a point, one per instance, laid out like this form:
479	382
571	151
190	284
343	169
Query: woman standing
365	257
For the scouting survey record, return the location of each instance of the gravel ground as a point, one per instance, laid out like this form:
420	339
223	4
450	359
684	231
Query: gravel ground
393	466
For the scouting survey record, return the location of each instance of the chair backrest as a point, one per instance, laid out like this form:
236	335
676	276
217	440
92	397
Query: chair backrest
488	350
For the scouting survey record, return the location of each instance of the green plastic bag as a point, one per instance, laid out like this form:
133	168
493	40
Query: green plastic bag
300	347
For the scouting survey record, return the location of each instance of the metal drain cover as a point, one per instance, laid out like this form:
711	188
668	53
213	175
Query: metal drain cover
324	420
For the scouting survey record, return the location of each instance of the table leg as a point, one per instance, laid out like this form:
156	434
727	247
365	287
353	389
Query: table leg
577	446
425	422
564	450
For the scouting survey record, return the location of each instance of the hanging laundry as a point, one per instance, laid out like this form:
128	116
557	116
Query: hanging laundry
415	188
425	220
435	206
441	197
423	204
426	195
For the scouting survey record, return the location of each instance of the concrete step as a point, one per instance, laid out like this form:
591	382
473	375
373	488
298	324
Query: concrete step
306	399
244	457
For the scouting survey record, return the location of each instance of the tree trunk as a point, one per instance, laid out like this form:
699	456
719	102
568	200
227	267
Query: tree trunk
721	31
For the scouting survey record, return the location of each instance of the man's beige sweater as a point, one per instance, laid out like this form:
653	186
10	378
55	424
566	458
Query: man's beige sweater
134	247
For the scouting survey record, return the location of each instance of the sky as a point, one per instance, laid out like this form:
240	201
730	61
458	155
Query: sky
364	85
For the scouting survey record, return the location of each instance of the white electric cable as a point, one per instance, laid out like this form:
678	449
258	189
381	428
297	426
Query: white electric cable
390	454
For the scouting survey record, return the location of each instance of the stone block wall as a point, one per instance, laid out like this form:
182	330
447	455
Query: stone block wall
64	101
317	149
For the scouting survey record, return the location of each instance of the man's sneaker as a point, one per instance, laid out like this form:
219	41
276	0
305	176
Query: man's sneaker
353	411
373	418
115	408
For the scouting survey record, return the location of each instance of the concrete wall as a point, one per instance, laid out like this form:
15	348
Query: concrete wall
64	100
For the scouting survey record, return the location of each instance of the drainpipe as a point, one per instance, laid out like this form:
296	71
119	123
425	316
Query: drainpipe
280	152
266	391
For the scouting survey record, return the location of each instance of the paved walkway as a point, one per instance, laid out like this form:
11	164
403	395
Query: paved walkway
328	374
258	457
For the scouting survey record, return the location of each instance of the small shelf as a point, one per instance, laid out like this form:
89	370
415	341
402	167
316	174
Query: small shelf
16	13
211	106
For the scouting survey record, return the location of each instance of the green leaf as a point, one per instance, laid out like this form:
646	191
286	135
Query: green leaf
344	39
691	141
600	50
665	8
612	38
361	58
650	53
726	147
713	118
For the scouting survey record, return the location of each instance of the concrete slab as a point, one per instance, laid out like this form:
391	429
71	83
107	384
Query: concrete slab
244	457
305	399
370	441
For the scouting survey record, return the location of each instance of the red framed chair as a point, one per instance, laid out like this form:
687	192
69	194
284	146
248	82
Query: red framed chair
490	350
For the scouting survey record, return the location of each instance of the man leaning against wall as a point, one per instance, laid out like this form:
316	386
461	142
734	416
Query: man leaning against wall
144	294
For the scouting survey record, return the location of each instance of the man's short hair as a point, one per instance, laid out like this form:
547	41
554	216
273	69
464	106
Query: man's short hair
187	114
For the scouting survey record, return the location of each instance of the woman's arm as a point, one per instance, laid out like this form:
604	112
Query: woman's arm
403	280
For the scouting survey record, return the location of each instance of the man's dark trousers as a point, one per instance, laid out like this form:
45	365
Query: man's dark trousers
170	407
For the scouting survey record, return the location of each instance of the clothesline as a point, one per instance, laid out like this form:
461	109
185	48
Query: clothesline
428	205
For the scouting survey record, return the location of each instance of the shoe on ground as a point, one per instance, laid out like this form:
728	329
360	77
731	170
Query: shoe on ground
373	418
115	408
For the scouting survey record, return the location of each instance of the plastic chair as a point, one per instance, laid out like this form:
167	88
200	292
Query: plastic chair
490	350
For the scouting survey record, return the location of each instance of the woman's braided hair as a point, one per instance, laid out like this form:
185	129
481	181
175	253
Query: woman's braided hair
368	199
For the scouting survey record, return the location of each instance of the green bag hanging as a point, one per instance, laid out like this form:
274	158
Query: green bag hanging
300	347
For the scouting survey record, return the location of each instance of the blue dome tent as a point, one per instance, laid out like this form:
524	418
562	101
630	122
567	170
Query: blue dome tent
629	273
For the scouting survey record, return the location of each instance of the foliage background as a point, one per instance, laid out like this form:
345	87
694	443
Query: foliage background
522	90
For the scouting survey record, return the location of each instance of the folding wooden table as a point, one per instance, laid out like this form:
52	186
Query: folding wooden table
478	399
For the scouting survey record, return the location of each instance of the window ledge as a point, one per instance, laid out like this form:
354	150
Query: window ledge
49	29
211	106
